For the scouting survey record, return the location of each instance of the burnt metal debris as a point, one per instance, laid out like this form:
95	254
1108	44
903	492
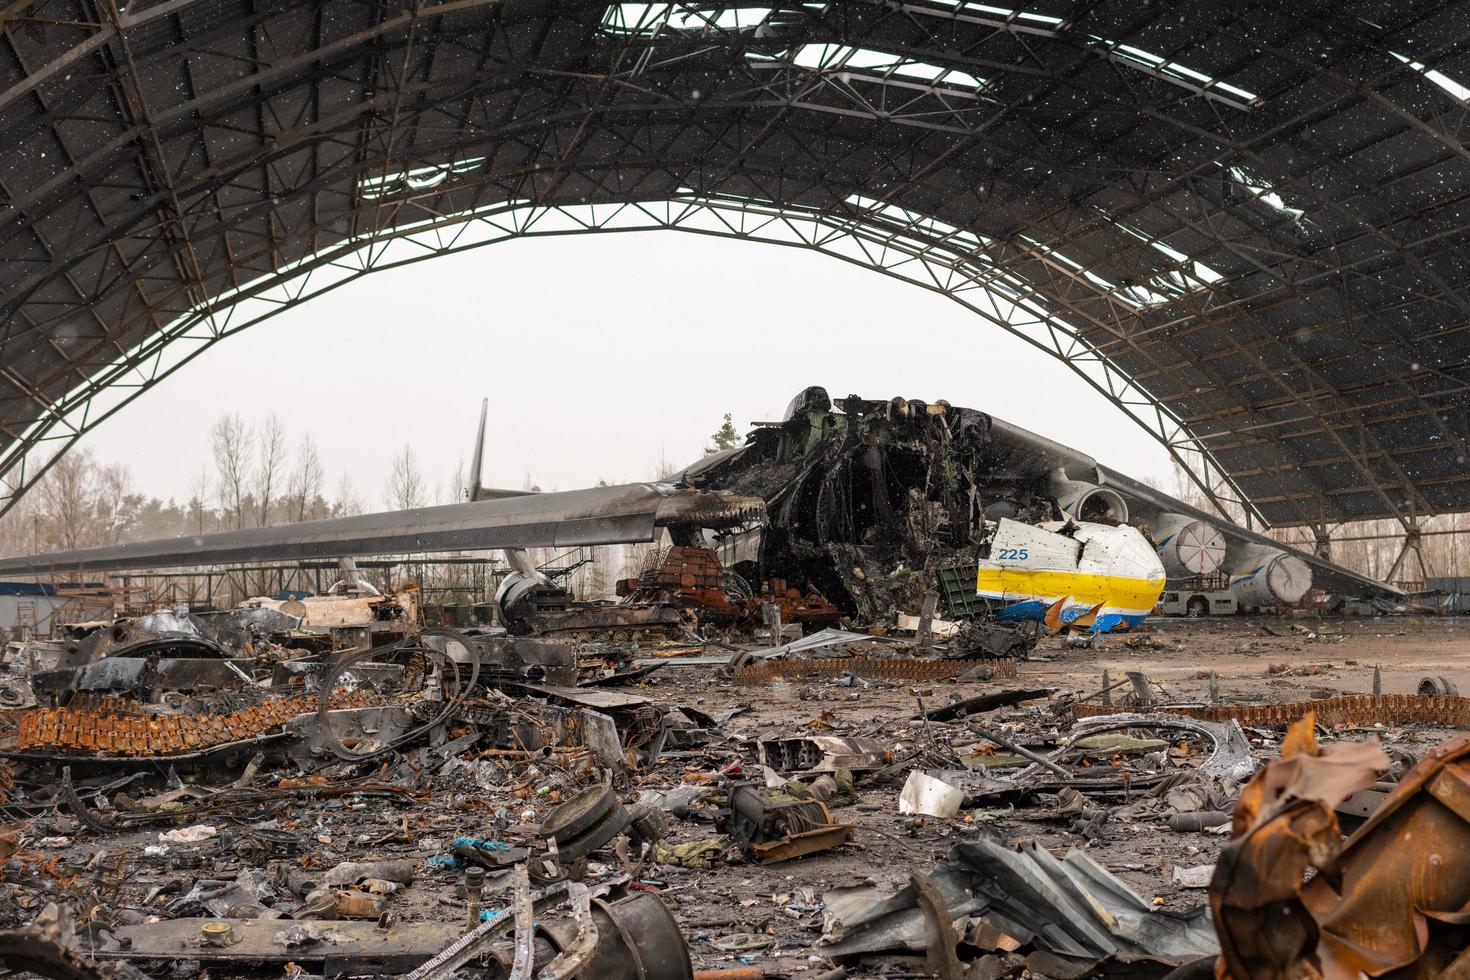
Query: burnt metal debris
455	803
1353	709
747	761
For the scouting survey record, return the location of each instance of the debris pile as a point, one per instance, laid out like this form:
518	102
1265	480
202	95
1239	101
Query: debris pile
470	803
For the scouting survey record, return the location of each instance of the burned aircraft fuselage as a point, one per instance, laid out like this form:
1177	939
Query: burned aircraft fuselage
867	500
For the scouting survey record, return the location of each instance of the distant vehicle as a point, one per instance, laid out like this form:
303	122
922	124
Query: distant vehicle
1199	598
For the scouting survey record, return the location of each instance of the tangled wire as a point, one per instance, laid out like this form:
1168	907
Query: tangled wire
416	656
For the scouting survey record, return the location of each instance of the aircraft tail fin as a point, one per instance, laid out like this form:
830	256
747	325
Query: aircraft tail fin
477	459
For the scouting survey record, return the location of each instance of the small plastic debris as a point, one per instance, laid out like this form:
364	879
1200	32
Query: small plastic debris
189	835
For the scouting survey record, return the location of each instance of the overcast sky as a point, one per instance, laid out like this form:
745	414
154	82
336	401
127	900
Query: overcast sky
598	353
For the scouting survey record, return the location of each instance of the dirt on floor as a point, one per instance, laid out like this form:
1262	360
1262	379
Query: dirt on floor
739	913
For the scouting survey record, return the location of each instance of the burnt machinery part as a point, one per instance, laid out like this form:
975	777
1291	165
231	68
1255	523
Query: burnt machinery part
637	939
1438	686
1200	969
183	647
30	951
579	814
647	824
738	661
1346	709
407	645
757	815
614	823
14	693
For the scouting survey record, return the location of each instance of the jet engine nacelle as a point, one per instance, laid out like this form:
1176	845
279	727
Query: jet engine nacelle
1188	547
1083	501
1266	577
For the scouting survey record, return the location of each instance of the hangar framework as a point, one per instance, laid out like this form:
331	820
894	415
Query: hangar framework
1244	224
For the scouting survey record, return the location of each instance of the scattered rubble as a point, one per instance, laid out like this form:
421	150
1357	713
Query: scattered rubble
460	802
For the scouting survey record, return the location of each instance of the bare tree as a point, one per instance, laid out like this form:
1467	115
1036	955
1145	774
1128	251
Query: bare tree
347	502
230	443
405	488
198	502
20	528
459	482
68	495
114	488
308	477
271	458
662	468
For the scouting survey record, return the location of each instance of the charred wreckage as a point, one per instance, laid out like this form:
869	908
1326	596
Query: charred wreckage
223	747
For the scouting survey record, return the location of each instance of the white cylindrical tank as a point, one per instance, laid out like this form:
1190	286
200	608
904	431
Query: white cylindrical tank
1270	578
1188	547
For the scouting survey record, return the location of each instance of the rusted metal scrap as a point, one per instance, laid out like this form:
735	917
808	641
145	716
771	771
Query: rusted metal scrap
1349	709
771	826
869	667
1393	900
110	733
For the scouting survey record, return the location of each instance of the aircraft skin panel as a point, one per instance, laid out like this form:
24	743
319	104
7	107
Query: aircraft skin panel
1131	594
1113	570
1108	619
1025	453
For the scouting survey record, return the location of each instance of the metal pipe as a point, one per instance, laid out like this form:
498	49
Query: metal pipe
474	888
1021	750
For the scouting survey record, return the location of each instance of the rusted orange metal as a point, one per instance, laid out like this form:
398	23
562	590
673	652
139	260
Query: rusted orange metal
108	731
1350	709
1393	900
899	668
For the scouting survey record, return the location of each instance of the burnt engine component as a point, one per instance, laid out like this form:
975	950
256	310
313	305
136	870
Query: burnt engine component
868	499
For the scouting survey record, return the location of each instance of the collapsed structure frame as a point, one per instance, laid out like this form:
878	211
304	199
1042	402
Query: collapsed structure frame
1244	227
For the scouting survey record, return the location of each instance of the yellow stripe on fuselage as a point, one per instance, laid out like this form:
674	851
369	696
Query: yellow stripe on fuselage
1112	590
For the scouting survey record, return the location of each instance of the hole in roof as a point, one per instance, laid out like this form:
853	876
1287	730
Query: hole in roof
1261	190
1187	276
1176	73
1072	264
415	179
872	65
1456	91
648	18
923	222
1005	13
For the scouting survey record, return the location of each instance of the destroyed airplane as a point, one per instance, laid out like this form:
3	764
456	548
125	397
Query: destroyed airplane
873	502
848	510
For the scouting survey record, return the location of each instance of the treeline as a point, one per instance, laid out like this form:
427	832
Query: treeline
252	474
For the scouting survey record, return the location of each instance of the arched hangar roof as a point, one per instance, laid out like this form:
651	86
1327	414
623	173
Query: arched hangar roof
1244	221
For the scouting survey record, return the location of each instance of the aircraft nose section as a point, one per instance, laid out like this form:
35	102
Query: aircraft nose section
1135	557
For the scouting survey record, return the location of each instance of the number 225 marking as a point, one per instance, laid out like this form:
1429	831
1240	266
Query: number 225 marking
1014	554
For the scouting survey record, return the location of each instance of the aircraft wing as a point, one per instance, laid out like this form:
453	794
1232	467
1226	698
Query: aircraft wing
1025	453
600	515
1325	574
